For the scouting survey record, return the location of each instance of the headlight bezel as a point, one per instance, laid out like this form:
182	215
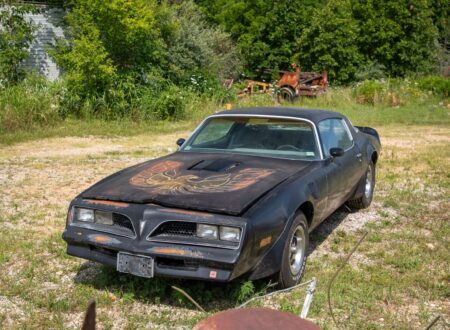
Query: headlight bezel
219	232
110	226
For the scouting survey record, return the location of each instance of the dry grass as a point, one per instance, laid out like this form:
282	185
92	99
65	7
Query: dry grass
397	279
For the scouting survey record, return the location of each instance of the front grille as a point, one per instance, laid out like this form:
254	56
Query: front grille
122	222
176	228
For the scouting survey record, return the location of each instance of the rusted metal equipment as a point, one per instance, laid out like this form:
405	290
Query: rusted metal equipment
291	84
255	88
255	319
298	83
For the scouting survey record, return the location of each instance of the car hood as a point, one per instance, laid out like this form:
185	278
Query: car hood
208	182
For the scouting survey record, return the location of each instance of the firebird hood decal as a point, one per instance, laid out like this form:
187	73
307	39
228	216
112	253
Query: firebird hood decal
166	177
179	181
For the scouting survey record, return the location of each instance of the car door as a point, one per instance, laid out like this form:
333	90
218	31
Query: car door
342	172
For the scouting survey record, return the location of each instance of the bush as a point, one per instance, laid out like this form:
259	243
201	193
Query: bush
169	103
369	92
440	86
33	102
390	92
136	66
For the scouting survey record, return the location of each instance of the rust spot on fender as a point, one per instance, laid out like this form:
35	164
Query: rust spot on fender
109	203
170	251
265	241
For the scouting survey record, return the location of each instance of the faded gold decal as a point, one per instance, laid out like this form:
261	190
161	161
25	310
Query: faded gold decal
165	177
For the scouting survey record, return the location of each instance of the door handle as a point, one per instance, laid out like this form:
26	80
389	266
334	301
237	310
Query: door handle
359	156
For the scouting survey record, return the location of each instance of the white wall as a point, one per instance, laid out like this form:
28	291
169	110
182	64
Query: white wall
48	29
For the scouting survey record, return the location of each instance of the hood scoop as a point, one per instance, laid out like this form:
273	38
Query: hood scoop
216	165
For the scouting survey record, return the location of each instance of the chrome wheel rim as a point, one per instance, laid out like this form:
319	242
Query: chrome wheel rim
369	179
297	250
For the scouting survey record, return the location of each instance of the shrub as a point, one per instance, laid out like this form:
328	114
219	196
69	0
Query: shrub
33	102
169	103
438	85
369	92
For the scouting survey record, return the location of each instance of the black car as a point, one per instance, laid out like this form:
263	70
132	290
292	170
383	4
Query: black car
239	197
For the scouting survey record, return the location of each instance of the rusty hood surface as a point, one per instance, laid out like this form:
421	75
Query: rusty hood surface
208	182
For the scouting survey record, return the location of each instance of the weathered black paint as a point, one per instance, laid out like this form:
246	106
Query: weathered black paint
260	195
177	180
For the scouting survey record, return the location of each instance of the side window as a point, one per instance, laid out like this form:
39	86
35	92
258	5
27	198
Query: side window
334	133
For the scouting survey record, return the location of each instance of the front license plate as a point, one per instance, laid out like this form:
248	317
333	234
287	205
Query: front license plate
136	265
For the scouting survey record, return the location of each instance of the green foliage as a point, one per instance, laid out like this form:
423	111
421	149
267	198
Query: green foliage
329	42
400	35
350	38
140	59
389	92
244	291
436	84
266	31
198	48
369	92
16	35
31	103
170	103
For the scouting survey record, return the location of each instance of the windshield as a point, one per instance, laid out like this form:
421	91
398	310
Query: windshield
270	137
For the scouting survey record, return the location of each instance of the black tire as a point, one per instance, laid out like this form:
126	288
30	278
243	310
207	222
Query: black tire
366	199
286	277
286	94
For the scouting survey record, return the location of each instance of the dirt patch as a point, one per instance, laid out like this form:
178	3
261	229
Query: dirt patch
38	180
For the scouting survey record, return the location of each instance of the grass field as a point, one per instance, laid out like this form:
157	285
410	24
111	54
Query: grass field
397	279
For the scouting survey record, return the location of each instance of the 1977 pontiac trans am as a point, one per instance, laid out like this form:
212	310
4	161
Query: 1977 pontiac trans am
239	198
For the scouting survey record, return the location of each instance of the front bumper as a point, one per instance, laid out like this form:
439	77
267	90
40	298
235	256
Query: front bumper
171	259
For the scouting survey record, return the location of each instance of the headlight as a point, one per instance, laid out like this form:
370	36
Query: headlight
104	218
232	234
89	215
207	231
84	215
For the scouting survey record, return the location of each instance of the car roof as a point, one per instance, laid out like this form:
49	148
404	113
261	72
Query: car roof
314	115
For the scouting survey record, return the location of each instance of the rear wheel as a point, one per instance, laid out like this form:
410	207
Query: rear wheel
369	183
294	253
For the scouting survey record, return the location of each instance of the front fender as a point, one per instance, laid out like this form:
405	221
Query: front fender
273	216
270	263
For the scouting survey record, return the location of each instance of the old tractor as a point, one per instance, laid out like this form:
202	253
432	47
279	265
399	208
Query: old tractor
297	83
290	85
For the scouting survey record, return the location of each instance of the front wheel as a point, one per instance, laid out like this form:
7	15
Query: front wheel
294	253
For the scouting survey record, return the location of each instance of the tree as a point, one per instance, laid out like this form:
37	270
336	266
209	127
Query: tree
331	42
16	35
400	35
266	32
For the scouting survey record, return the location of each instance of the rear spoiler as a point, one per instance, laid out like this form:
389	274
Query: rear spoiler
370	131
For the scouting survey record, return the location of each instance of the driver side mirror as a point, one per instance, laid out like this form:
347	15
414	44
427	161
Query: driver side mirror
180	141
336	152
